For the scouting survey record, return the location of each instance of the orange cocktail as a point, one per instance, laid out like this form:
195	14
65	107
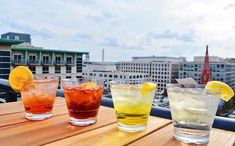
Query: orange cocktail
38	94
38	98
83	101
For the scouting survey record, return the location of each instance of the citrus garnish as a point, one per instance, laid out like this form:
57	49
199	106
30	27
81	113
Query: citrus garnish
17	77
147	87
89	85
226	91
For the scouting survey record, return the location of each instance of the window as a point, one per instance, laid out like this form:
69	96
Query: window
17	57
57	69
32	57
33	69
57	59
115	76
100	75
110	76
68	69
45	58
45	69
105	75
69	60
68	77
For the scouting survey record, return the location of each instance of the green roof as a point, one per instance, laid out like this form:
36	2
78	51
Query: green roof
9	42
46	50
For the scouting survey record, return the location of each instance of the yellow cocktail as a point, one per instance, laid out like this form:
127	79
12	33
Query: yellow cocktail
132	103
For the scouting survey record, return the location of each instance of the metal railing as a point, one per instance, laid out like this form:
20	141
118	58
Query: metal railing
46	62
219	122
59	62
69	62
18	61
32	62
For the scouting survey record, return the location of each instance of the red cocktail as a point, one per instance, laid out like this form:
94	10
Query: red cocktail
83	100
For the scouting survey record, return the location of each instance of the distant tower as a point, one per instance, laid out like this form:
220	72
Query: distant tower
206	72
102	55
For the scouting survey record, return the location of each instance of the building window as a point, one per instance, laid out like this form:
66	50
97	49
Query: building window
17	57
45	58
68	77
32	57
115	76
33	69
45	69
105	75
69	60
57	59
68	69
110	76
100	75
57	69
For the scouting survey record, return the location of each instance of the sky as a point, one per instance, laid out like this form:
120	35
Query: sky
125	28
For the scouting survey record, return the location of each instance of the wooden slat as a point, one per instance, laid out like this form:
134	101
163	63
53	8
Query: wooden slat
55	128
164	137
19	117
110	135
14	107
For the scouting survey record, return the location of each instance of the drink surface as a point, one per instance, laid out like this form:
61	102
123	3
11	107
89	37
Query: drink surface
132	108
193	108
39	97
83	103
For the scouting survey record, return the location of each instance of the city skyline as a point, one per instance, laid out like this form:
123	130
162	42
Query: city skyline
125	28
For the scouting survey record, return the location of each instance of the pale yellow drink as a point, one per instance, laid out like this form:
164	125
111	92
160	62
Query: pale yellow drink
132	106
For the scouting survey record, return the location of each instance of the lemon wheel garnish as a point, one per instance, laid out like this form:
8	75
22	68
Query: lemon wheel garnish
147	87
225	90
17	77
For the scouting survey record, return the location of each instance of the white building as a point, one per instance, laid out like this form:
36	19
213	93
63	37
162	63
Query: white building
107	72
49	62
162	70
159	58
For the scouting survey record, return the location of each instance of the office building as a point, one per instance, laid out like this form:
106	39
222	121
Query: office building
162	70
5	56
159	58
223	71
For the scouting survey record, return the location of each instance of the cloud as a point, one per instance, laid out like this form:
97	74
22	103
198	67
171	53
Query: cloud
229	6
83	37
110	42
43	32
125	28
167	34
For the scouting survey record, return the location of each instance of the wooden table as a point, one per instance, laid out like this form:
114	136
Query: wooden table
56	131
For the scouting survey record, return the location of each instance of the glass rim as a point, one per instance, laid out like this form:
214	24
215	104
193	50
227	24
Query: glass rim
53	79
197	87
81	80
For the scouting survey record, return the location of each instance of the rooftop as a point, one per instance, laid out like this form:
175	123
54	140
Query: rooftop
45	50
9	41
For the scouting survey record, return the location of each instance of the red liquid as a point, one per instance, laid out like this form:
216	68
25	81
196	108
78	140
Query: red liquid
83	103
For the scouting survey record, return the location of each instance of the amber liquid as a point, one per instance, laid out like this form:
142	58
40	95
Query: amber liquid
38	105
83	103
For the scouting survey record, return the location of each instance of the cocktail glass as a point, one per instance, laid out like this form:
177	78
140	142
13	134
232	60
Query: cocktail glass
193	110
83	99
38	97
132	108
